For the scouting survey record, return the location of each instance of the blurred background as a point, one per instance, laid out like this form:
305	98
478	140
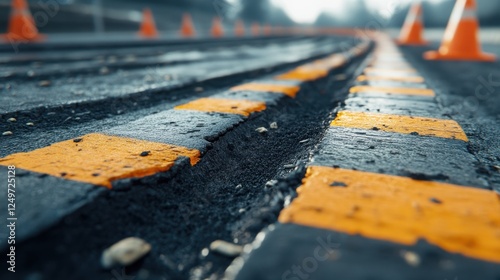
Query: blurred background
61	16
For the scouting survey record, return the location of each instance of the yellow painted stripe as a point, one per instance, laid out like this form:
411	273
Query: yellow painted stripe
390	69
284	89
315	70
100	159
331	62
393	90
221	105
400	124
458	219
363	78
303	74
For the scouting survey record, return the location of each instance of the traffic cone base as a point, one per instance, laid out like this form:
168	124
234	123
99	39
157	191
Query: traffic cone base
461	39
439	55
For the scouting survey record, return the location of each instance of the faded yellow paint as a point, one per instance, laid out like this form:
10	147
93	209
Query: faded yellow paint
393	90
387	69
400	124
363	78
276	88
458	219
303	74
220	105
100	159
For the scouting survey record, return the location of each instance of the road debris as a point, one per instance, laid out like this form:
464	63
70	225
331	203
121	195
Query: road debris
273	125
44	83
261	130
6	133
411	258
226	248
125	252
11	120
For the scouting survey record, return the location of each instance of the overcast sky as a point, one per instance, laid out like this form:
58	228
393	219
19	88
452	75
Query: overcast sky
306	11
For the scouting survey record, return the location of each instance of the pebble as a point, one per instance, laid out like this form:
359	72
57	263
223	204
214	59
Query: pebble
125	252
271	183
7	133
261	130
44	83
30	124
273	125
304	141
289	166
411	258
12	120
435	200
145	153
226	248
104	70
340	77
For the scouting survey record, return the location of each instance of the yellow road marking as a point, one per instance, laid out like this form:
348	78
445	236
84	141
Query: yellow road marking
387	69
363	78
284	89
458	219
400	124
393	90
100	159
303	74
221	105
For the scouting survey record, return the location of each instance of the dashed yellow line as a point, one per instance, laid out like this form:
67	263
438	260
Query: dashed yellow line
100	159
363	78
284	89
400	124
389	69
303	74
221	105
458	219
393	90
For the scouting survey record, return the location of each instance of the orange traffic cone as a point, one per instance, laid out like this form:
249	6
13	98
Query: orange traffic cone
267	30
412	31
255	29
187	27
21	25
148	27
239	28
460	40
217	30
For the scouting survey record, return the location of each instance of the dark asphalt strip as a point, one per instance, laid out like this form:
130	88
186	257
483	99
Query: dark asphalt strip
106	45
222	197
319	254
39	70
414	156
81	54
468	92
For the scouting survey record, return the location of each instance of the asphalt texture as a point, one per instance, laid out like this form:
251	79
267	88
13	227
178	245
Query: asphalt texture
229	195
468	92
324	254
